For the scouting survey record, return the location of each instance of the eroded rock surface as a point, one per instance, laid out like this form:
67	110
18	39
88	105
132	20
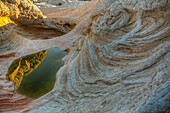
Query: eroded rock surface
20	21
119	58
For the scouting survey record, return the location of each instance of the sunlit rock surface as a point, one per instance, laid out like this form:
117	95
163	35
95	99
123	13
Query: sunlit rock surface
118	59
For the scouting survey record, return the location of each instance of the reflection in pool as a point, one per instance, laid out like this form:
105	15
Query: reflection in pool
42	79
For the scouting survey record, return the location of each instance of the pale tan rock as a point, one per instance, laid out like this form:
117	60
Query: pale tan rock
119	59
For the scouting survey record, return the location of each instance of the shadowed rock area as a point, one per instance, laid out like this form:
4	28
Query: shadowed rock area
118	55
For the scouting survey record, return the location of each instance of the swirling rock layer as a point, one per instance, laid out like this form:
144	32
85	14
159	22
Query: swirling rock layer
117	65
119	60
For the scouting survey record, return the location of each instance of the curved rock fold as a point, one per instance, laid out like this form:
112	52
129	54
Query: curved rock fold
118	59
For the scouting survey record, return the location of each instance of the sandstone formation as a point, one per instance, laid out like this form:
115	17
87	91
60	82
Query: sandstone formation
118	60
21	21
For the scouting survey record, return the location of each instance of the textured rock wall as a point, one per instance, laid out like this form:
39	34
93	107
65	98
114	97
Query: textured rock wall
118	62
29	20
19	10
20	21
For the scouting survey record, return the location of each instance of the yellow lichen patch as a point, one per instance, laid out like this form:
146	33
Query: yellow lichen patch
5	21
23	66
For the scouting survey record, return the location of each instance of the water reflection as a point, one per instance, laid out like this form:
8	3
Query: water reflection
23	66
42	79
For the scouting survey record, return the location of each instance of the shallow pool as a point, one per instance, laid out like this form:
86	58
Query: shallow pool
42	79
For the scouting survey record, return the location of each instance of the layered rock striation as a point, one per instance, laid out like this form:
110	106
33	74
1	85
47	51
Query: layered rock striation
118	59
118	64
20	21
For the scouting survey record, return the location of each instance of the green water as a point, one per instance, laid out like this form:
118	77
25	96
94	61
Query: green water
42	79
